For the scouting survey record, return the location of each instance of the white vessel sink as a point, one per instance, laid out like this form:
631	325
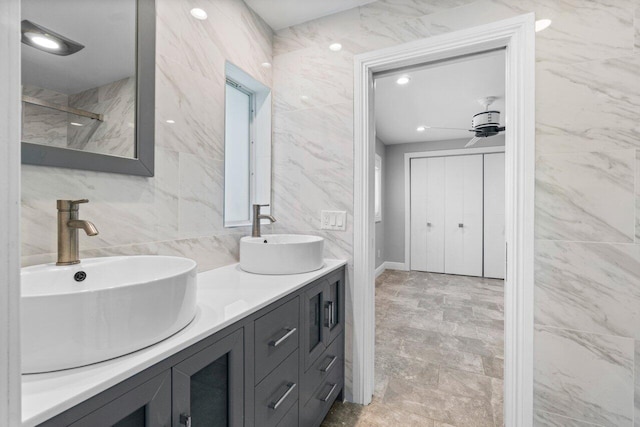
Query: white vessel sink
124	304
281	253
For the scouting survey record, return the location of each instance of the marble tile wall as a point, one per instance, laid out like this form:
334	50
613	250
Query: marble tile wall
587	173
178	211
115	135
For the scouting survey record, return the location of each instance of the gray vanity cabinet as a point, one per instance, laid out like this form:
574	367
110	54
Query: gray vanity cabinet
147	405
282	366
208	386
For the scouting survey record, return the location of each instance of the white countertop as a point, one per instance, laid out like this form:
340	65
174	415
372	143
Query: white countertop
225	295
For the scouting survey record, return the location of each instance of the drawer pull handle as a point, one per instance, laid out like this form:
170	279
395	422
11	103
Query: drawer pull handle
274	405
330	365
333	387
185	420
284	337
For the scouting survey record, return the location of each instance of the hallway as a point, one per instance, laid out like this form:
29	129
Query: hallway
439	353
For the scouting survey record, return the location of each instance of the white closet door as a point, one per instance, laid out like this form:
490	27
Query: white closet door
418	214
494	213
463	215
427	214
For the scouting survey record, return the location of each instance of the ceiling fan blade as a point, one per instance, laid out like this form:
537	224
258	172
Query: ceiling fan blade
473	141
443	128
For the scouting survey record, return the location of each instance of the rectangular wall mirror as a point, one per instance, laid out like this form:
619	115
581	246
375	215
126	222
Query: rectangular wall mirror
88	83
247	147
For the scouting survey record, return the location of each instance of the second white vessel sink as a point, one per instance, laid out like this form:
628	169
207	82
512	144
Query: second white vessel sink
102	308
281	253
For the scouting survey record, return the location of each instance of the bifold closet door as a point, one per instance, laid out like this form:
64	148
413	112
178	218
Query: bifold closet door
463	215
494	213
427	214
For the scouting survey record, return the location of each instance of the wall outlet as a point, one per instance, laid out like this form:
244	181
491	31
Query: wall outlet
333	220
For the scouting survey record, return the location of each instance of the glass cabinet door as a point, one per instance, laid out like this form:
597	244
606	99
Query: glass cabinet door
314	318
207	387
334	307
148	405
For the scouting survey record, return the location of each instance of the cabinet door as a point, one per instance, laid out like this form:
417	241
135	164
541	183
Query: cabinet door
334	307
148	405
463	209
313	331
208	386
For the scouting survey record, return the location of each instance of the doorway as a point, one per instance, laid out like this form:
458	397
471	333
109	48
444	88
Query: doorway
517	36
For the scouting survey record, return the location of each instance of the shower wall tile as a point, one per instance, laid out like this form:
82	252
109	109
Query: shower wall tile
637	29
589	108
638	196
575	193
309	78
586	286
584	376
178	211
201	195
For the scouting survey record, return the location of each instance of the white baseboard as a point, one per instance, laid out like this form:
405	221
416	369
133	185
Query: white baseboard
381	269
390	265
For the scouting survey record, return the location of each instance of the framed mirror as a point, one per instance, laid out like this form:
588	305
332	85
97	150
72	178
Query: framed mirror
88	84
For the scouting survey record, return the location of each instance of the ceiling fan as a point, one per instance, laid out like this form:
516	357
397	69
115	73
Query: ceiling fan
484	124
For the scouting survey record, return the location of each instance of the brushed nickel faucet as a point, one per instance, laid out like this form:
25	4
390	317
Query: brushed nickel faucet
257	216
68	225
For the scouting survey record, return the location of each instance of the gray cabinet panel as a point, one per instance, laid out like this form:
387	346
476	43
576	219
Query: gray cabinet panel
332	359
207	387
276	336
277	392
322	398
148	405
291	417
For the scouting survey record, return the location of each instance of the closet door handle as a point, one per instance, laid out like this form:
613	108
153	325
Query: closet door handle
460	225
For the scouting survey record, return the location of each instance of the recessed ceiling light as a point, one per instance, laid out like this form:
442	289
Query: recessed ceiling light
304	97
171	121
335	47
266	65
403	80
541	24
421	128
75	124
198	13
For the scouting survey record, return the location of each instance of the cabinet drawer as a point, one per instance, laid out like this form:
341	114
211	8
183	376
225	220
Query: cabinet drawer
332	359
276	336
322	398
291	417
277	392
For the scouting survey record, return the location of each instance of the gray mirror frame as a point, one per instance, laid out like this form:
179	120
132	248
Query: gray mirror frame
143	164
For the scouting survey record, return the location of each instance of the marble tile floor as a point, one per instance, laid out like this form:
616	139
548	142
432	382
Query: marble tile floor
439	354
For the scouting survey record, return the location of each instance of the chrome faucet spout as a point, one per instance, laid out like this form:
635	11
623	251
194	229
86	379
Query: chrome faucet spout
68	226
257	216
87	226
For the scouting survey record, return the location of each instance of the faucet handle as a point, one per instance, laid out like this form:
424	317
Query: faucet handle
262	206
67	205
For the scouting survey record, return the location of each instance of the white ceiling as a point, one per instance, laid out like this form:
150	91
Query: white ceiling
444	95
285	13
105	28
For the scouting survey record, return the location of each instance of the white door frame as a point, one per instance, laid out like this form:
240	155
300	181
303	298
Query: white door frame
517	35
10	397
407	186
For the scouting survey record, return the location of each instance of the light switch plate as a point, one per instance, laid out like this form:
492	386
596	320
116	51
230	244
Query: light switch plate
333	220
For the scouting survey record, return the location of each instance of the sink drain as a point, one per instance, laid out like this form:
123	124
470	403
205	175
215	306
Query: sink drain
79	276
